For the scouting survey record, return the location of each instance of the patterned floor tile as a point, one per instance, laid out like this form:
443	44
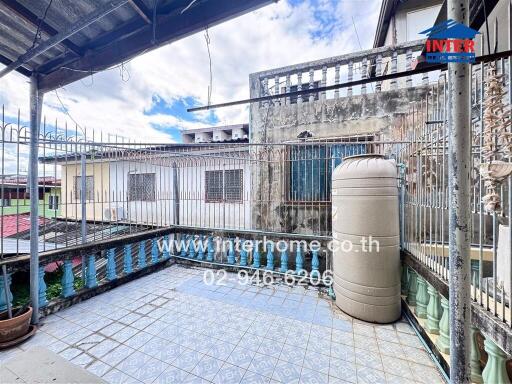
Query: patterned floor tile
367	375
241	357
317	362
229	374
254	378
187	360
417	355
396	366
117	355
207	367
286	372
342	337
103	348
424	374
292	354
99	368
109	330
369	359
221	350
343	370
263	364
309	376
124	334
115	376
142	367
138	340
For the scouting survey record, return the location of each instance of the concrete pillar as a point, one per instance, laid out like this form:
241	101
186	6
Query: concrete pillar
421	298
459	190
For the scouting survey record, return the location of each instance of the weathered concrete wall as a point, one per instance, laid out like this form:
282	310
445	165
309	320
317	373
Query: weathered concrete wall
278	122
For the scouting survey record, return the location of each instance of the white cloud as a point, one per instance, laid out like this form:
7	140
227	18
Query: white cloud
274	36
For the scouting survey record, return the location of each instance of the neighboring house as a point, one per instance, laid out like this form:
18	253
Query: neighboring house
15	199
198	185
215	134
402	21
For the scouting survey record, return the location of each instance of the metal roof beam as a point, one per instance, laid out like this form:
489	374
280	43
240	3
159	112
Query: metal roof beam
28	16
6	61
170	28
141	9
61	36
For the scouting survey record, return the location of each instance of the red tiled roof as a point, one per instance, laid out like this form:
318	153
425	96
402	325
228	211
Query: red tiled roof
12	224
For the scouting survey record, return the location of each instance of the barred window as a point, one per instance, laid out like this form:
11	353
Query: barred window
214	181
233	185
89	187
224	186
53	202
141	187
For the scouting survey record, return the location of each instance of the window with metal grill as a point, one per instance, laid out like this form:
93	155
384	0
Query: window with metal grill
53	202
224	186
141	187
89	187
214	181
233	185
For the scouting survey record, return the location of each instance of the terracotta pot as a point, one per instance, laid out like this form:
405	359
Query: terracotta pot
11	329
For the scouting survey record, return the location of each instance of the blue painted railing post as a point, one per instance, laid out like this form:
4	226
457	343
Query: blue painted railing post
191	247
200	250
67	279
166	246
231	252
256	256
270	258
284	261
243	254
183	245
43	302
315	264
211	250
3	302
142	255
111	264
299	262
154	251
91	281
128	259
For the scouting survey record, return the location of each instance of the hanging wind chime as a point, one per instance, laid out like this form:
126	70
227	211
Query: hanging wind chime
497	139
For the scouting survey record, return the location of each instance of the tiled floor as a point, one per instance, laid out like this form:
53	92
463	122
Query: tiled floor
170	327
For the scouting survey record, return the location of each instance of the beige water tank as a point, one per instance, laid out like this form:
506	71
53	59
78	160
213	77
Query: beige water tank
365	211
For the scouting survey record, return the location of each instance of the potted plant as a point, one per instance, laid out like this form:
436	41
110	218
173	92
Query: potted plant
15	327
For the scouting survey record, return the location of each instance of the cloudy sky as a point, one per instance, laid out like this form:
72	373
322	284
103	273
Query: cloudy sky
149	98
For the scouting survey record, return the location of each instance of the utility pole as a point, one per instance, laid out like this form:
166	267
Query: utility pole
459	168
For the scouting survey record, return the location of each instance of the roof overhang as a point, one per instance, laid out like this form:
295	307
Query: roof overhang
79	38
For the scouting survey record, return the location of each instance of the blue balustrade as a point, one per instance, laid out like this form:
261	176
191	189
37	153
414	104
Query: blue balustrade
183	245
299	261
243	254
284	262
200	251
111	264
270	258
141	263
256	263
191	248
90	275
43	302
315	264
128	259
154	251
167	247
67	279
3	301
231	252
211	250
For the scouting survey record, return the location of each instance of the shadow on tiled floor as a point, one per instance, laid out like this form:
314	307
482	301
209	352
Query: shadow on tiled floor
171	327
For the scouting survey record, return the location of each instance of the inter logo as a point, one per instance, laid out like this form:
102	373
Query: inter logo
450	42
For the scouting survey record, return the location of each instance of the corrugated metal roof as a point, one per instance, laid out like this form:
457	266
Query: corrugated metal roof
111	39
